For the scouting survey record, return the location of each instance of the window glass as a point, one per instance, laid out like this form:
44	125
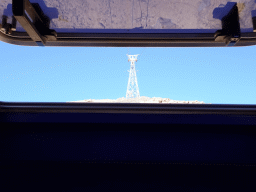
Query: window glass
223	75
61	74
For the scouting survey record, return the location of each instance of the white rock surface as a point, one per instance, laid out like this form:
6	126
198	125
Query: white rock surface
142	99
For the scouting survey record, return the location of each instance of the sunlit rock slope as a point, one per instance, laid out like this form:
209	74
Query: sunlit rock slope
142	99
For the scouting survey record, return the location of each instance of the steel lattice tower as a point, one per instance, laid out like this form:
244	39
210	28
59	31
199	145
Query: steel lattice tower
132	87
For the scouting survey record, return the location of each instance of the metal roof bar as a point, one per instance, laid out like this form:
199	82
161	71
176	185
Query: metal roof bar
128	40
31	21
230	33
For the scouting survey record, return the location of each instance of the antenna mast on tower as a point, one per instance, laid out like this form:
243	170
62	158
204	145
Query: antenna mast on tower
132	87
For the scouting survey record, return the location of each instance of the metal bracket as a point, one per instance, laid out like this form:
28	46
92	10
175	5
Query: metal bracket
254	24
31	21
230	33
7	27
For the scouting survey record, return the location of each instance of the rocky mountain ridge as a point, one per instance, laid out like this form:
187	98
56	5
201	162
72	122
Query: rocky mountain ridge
141	99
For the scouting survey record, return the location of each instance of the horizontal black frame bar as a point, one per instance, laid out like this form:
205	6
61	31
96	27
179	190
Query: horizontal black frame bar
129	39
210	114
133	108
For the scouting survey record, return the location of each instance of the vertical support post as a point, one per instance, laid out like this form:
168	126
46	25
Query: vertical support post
254	24
6	27
230	33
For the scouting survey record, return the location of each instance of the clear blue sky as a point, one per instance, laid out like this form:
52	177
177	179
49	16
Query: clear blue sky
60	74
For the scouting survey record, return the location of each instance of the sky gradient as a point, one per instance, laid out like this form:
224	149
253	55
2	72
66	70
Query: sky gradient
59	74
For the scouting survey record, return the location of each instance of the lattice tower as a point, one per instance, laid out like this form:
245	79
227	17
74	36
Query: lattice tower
132	87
